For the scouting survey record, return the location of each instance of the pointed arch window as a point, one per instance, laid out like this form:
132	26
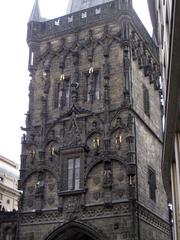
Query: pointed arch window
146	101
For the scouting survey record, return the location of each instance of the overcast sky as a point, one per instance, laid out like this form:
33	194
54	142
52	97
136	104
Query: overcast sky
14	77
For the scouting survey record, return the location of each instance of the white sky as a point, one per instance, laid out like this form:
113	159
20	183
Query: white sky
14	77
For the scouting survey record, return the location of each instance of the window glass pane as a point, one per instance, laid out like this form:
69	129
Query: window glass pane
59	95
32	58
88	82
152	185
67	92
70	174
146	101
77	173
96	81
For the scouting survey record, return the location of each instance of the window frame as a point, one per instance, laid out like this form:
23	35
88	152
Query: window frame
146	101
152	183
74	178
92	86
60	93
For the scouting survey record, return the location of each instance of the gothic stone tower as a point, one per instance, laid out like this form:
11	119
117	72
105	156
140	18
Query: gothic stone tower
91	155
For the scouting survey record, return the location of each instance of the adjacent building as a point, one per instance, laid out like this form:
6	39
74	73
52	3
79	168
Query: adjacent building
9	194
92	148
166	23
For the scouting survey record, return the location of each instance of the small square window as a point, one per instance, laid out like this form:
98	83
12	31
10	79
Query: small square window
84	15
70	19
57	22
98	11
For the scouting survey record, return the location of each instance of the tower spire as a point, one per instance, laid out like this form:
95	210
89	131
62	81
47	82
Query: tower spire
35	14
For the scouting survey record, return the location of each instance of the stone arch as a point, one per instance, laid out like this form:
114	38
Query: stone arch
76	231
95	181
31	172
40	188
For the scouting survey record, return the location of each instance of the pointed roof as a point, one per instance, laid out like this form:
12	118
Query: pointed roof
78	5
35	14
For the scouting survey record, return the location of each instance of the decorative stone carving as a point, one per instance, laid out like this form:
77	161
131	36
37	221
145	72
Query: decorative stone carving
40	185
107	178
72	133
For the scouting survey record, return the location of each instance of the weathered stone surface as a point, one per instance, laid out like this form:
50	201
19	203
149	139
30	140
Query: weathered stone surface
86	103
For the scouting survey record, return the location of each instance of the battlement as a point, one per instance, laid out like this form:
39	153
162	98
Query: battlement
106	11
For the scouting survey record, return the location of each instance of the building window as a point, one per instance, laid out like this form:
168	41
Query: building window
167	21
58	95
146	101
1	196
152	183
92	86
66	90
8	201
62	93
98	10
74	174
70	19
162	35
84	15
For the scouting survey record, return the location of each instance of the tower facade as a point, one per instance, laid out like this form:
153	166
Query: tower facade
91	154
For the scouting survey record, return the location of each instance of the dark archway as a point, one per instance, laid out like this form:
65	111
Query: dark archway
75	231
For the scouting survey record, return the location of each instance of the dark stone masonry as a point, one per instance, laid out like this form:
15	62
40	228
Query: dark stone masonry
91	153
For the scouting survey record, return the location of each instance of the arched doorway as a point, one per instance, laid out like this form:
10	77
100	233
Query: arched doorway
75	231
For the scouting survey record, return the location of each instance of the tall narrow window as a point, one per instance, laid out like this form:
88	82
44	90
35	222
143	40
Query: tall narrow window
32	58
58	95
88	84
146	101
92	86
66	92
97	83
77	174
70	173
74	174
152	184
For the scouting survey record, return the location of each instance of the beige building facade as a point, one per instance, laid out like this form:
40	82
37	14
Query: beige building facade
8	185
166	22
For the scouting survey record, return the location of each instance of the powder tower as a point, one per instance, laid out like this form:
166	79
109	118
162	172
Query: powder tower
91	152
